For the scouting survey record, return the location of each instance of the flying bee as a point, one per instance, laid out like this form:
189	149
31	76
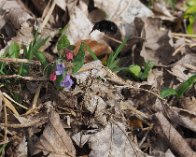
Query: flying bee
106	27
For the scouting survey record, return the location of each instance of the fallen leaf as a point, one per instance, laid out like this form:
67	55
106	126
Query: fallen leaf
171	135
54	141
180	70
99	49
113	141
156	47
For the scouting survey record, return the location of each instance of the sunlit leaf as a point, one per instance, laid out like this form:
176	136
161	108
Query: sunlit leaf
135	70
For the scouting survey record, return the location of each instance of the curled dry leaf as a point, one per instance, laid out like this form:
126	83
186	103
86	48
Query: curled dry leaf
98	48
54	141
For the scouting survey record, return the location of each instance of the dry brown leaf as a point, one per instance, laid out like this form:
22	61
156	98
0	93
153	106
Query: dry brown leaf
172	136
189	103
21	149
8	104
55	141
179	68
15	12
113	141
156	47
161	8
79	21
183	117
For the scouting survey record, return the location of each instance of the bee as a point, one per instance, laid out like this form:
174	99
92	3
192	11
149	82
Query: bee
106	27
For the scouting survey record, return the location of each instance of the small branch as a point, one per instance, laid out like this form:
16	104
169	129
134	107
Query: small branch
17	60
5	121
12	100
26	125
29	78
184	35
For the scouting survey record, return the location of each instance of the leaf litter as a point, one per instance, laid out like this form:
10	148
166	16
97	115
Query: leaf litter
113	105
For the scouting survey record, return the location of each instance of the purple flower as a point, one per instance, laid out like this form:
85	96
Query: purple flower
60	68
67	82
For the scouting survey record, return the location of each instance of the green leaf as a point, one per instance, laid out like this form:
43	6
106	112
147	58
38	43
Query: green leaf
23	69
35	45
168	92
135	70
183	87
63	42
13	50
112	64
78	61
40	56
119	49
147	67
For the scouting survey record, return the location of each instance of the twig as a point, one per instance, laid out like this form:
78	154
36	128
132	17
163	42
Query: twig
12	100
192	67
144	138
17	60
46	19
113	39
178	49
5	121
29	78
142	89
26	125
35	99
184	35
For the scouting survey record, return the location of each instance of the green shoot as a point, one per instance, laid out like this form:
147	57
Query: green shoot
181	89
147	67
112	62
78	61
135	71
13	50
33	51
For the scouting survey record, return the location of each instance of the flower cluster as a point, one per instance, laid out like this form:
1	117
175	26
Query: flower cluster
60	75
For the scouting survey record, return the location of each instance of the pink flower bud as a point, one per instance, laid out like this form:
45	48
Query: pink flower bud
69	55
52	76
